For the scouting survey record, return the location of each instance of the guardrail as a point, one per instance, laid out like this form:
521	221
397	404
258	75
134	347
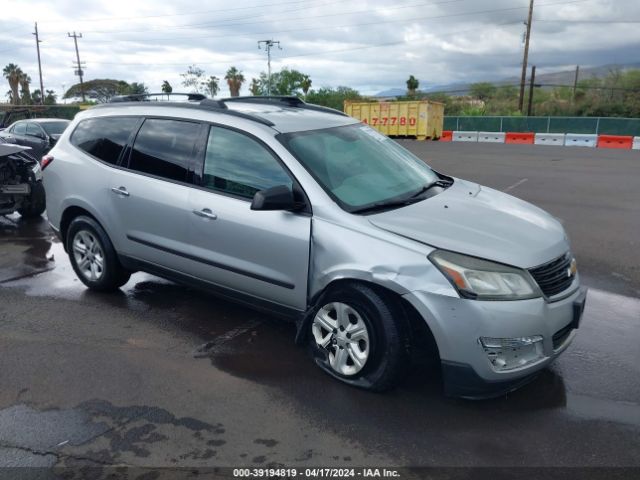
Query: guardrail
625	142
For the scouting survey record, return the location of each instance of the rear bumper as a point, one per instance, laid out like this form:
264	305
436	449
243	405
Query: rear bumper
458	324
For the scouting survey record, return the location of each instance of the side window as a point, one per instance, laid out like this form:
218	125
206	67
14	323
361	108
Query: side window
104	137
34	130
164	148
20	129
237	164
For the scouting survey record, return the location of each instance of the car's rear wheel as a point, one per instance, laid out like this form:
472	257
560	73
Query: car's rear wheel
359	336
93	257
35	204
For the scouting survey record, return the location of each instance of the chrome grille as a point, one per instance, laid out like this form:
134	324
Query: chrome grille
554	277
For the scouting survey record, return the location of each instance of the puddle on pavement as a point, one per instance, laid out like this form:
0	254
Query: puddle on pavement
598	373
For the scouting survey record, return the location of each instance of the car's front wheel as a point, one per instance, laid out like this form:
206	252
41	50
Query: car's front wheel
93	257
358	335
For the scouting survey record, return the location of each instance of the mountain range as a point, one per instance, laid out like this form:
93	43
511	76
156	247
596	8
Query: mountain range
564	77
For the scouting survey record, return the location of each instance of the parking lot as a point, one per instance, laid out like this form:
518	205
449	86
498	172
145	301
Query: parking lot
103	379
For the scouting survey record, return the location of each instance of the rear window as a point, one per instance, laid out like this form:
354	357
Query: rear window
104	138
55	128
164	148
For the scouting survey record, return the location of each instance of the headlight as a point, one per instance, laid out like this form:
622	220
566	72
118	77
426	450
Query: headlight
484	280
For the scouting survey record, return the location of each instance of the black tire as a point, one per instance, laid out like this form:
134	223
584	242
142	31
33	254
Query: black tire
389	353
112	275
35	203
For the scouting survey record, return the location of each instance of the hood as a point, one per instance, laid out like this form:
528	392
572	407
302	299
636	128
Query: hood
482	222
9	148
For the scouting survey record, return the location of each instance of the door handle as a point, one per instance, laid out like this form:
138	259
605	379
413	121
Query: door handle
120	191
205	213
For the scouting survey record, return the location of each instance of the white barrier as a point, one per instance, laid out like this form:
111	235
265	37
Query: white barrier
580	140
465	136
636	143
549	139
491	137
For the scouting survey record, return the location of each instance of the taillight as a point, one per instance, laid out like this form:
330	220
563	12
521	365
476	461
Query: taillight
46	160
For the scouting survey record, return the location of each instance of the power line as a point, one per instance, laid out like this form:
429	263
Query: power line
306	17
324	27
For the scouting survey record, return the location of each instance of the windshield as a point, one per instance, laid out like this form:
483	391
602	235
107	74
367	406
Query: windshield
55	128
358	166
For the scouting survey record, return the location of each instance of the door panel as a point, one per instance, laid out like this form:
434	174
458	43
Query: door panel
265	254
261	253
152	216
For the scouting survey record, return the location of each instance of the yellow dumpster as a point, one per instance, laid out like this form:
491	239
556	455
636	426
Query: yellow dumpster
421	119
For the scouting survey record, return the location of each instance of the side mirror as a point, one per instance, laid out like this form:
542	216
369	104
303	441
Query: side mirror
279	197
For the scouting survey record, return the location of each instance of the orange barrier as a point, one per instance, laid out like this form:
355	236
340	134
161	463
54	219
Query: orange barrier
520	137
615	141
447	136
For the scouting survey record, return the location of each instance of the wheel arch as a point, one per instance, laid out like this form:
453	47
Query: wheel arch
69	213
419	331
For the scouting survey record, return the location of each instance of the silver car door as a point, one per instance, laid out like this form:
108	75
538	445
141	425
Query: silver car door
264	254
150	197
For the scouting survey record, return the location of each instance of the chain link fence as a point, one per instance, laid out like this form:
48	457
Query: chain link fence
593	125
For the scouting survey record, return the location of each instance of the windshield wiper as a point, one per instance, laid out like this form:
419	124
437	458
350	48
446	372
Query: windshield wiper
436	183
413	198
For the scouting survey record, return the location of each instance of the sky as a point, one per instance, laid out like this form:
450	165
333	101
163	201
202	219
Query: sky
369	45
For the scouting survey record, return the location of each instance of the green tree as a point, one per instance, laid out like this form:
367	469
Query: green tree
254	87
412	85
166	87
212	86
50	97
100	90
192	78
285	82
234	79
483	90
25	94
136	88
333	97
12	73
305	85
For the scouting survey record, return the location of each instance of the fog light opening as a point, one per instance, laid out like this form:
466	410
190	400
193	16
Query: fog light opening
511	353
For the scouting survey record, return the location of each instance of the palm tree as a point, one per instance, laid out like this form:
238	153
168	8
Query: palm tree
166	87
12	73
305	84
212	85
412	85
254	88
234	79
25	80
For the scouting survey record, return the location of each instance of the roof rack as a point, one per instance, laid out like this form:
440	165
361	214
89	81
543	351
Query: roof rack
145	97
284	100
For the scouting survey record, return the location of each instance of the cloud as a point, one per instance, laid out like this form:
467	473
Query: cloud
370	45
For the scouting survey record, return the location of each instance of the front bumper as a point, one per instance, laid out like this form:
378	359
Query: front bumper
458	324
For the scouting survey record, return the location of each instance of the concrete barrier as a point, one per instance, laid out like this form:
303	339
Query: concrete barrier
623	142
636	143
491	137
447	136
580	140
519	138
549	139
465	136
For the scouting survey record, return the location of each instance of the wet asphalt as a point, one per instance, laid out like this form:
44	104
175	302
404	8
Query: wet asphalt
99	380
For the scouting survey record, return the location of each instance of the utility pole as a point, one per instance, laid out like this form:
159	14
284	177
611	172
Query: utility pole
268	45
78	64
531	87
39	64
523	77
575	82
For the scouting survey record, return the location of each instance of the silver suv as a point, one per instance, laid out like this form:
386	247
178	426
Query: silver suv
307	213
